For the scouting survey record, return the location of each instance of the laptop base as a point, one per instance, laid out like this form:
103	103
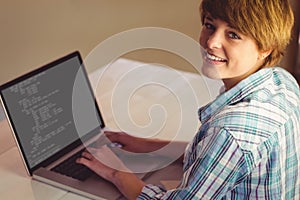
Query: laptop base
97	188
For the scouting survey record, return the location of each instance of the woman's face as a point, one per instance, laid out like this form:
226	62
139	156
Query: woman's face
228	54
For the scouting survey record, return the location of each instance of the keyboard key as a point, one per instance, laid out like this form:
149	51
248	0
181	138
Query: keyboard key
70	168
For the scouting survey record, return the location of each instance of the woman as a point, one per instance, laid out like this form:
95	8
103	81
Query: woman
248	144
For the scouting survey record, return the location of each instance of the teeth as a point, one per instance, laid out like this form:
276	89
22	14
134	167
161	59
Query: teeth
214	58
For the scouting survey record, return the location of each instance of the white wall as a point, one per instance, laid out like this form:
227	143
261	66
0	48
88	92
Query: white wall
34	32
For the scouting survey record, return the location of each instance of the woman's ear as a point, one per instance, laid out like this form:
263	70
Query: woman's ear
264	54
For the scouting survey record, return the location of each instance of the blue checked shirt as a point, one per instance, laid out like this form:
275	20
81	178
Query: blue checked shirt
248	146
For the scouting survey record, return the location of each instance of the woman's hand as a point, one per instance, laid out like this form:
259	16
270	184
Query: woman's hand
107	165
171	149
102	161
134	144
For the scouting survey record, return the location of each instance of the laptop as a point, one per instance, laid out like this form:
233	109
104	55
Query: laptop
54	116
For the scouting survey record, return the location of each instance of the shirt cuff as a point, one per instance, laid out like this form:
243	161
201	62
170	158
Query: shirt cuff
151	192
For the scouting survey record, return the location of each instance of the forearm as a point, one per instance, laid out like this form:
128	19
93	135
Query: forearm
173	149
131	186
128	184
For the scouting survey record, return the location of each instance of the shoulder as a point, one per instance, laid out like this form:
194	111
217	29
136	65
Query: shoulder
224	142
265	108
255	119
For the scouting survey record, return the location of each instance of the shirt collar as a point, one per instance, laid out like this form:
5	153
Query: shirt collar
239	92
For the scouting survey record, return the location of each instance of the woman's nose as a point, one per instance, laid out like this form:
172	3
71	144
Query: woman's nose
215	41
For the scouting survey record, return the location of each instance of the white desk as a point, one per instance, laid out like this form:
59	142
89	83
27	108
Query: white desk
123	87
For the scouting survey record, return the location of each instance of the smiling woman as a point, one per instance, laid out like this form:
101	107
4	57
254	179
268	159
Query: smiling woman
268	27
247	145
228	54
233	39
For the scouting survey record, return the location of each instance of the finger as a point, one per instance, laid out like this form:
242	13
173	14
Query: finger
96	166
95	153
111	132
90	153
84	161
112	136
87	155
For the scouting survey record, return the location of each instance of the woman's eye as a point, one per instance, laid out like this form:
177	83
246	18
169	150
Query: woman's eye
209	25
233	35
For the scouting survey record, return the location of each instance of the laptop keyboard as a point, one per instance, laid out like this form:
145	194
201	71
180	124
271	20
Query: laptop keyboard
70	168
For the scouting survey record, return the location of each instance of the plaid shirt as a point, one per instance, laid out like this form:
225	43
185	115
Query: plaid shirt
248	146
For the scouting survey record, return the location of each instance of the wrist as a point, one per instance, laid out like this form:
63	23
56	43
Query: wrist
128	183
118	177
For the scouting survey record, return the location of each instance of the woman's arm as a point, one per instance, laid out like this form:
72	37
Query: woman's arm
171	149
107	165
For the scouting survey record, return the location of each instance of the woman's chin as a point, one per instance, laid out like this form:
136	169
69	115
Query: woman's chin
210	71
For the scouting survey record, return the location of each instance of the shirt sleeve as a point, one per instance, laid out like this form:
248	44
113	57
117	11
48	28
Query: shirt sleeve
218	167
151	192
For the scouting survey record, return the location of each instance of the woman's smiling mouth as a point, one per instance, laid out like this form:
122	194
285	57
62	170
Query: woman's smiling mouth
214	59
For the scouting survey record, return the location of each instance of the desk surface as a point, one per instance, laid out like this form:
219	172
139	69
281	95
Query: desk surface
143	99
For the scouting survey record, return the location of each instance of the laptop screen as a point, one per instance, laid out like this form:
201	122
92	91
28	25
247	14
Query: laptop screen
51	108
